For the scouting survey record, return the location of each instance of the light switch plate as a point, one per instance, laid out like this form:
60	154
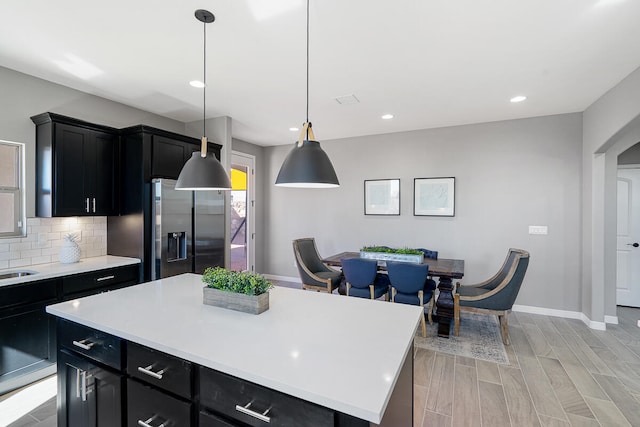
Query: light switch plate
538	229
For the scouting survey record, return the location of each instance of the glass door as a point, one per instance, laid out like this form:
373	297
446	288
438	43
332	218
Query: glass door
242	208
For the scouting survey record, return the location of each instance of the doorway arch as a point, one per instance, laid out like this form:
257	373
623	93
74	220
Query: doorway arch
621	142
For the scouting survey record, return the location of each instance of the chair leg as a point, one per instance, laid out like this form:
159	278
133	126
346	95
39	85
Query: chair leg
371	292
504	328
456	314
430	311
422	322
348	288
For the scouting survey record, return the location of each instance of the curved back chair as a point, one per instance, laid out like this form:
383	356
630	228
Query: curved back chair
314	274
496	295
363	279
409	286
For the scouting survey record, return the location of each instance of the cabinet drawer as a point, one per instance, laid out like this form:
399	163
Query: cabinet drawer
150	406
248	402
92	343
159	369
109	279
26	293
210	420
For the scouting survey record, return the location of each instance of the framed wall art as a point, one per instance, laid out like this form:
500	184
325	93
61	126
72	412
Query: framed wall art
382	197
434	196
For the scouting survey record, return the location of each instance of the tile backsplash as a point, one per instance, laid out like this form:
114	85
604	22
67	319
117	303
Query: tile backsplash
46	235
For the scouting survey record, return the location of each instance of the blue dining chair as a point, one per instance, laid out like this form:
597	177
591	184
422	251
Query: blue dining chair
409	286
363	279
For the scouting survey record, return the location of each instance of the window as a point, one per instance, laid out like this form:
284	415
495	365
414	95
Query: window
12	194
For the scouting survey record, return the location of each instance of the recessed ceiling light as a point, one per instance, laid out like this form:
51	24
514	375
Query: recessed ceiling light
294	129
518	98
196	83
387	116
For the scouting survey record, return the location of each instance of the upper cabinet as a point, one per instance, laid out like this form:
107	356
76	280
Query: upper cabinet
77	167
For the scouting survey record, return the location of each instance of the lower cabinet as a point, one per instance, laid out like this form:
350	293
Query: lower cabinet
108	381
27	333
88	394
149	407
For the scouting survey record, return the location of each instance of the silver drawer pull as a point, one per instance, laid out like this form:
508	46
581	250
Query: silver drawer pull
100	279
261	416
84	344
147	423
148	371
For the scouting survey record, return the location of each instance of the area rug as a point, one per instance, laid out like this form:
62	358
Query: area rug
479	339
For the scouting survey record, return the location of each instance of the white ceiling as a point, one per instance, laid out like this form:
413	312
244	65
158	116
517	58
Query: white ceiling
431	63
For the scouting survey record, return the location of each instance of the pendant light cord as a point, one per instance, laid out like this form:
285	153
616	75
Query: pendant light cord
204	81
308	70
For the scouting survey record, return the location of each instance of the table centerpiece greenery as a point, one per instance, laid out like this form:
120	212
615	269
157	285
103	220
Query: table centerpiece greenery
385	253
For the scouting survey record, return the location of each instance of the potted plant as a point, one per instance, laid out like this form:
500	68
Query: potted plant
385	253
236	290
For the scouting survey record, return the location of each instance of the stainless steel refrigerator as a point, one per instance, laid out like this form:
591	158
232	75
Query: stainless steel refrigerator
187	234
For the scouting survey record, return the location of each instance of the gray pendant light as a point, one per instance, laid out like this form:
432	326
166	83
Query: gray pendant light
307	165
203	171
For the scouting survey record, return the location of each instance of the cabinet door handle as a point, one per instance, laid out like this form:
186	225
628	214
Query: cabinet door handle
78	383
246	410
100	279
94	205
148	371
87	205
84	344
147	423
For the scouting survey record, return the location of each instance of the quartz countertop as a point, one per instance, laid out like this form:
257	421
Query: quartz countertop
339	352
56	269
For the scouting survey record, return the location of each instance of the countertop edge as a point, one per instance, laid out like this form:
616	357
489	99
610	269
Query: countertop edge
54	270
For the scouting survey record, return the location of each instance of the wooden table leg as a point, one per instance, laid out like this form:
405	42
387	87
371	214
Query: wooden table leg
444	307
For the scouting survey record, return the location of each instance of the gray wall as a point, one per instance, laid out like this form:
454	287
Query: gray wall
261	182
24	96
509	175
610	122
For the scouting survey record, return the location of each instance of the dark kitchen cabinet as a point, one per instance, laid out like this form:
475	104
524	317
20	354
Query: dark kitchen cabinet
77	167
93	282
156	388
27	333
146	153
91	394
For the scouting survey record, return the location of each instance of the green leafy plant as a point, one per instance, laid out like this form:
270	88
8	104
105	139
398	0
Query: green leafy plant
388	250
242	282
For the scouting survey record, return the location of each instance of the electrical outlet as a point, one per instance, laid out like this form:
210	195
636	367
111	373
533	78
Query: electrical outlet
538	229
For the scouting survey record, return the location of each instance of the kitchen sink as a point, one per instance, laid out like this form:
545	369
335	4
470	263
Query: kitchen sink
16	273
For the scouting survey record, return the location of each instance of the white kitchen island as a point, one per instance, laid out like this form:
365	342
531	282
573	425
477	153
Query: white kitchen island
350	355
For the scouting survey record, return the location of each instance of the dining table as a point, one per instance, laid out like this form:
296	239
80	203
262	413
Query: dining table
445	269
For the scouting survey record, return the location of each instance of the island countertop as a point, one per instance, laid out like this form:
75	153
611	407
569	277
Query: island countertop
339	352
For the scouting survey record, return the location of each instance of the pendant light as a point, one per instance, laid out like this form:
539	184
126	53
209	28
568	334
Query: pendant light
203	171
307	165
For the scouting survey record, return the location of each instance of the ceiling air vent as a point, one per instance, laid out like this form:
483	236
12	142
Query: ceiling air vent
347	99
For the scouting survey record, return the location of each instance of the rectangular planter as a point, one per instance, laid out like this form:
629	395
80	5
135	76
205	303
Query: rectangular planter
385	256
239	302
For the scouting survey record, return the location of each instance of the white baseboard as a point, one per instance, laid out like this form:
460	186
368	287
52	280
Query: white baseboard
600	326
282	278
611	319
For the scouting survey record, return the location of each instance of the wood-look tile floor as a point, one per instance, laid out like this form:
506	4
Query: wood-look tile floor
561	374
